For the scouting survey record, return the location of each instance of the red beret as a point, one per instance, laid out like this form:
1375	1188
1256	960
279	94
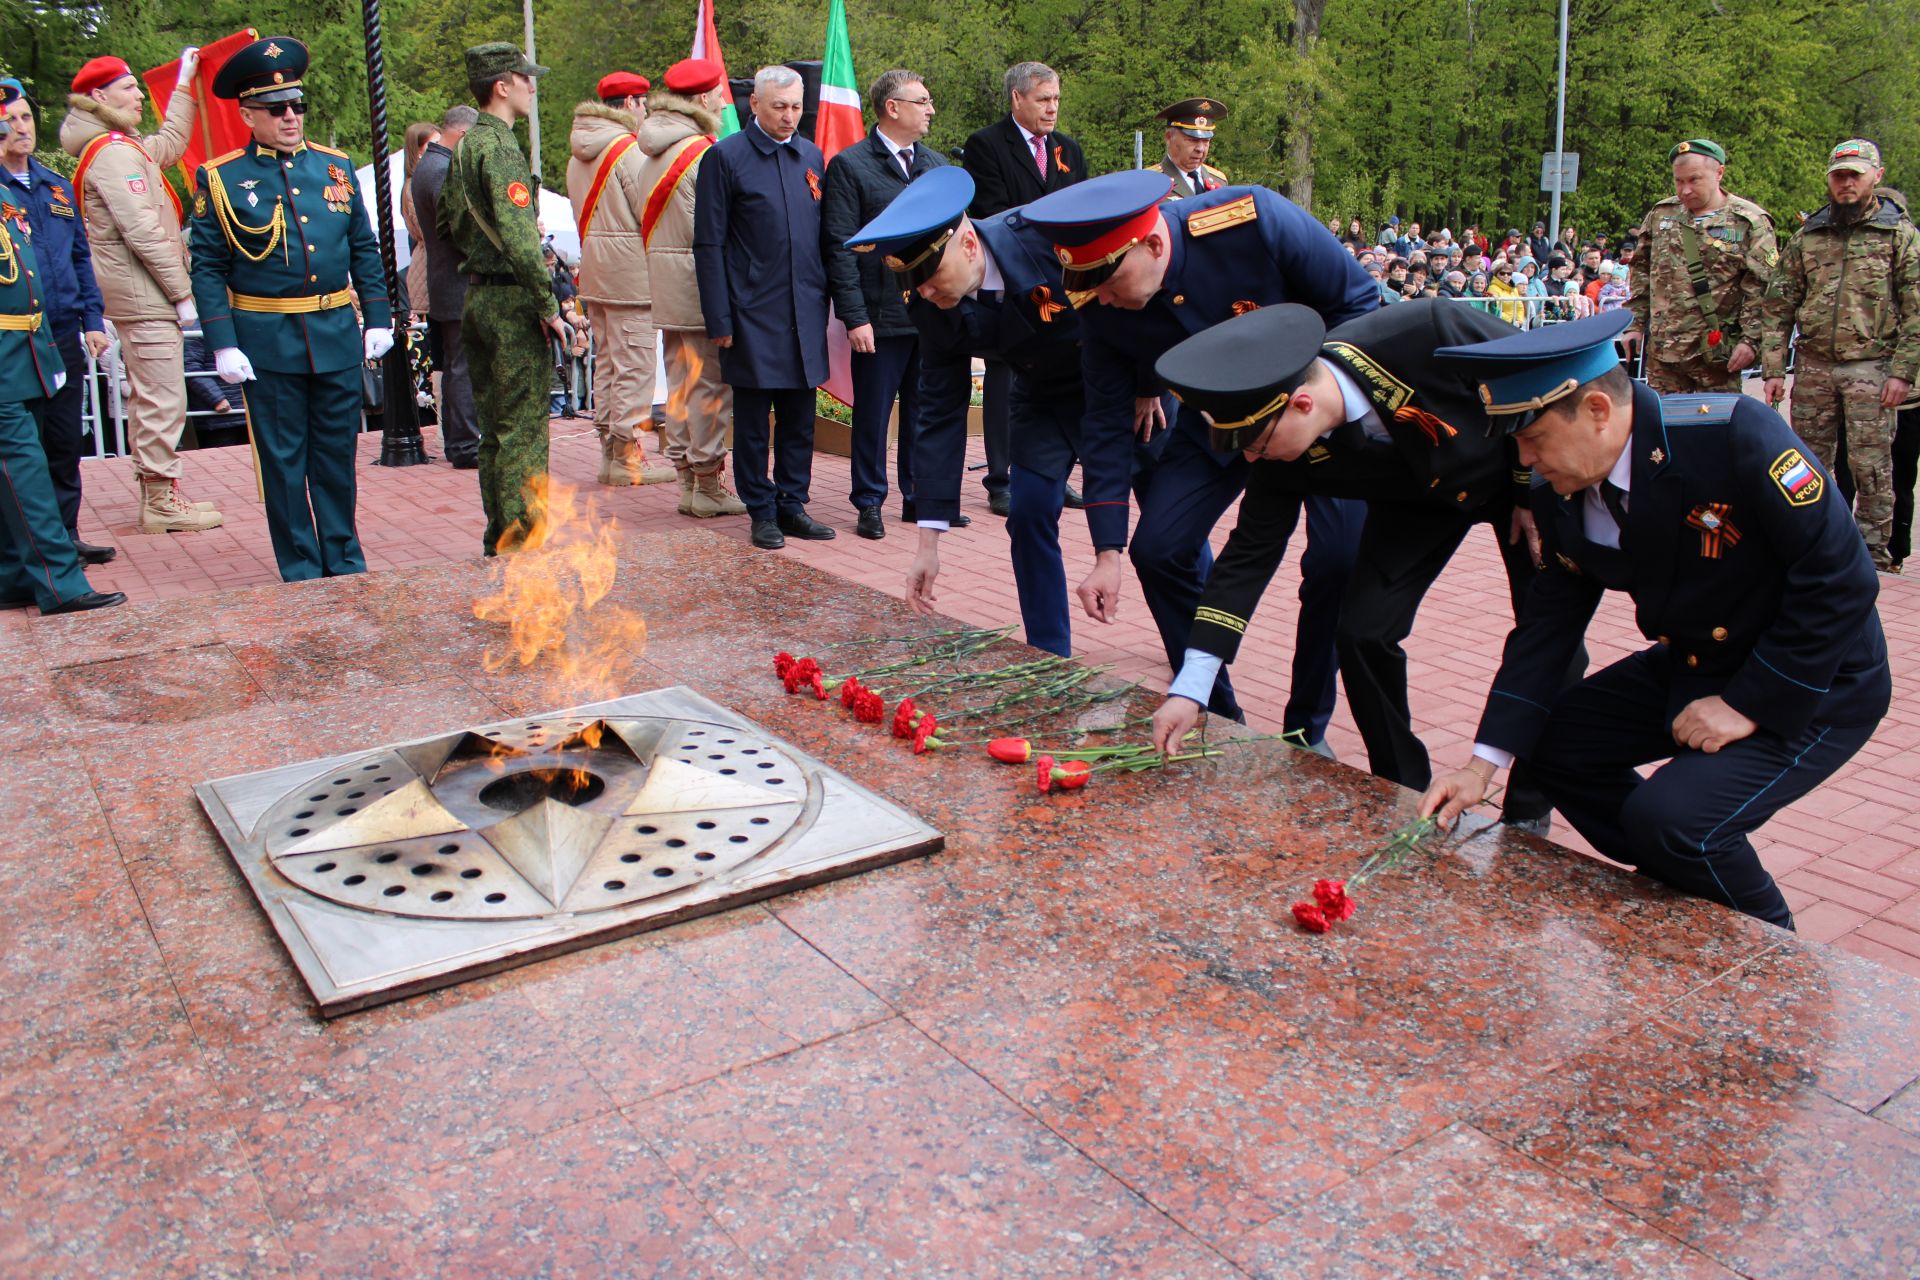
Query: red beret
692	75
623	84
100	73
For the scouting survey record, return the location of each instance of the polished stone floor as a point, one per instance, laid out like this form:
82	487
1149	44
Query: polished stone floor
1083	1040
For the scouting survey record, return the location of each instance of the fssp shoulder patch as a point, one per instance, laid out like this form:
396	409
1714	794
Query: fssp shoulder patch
518	193
1220	217
1382	387
1798	481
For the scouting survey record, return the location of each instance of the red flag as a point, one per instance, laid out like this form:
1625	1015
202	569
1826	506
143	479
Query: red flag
217	127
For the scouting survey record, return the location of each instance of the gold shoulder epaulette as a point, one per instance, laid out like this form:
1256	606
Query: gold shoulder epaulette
1218	173
233	154
332	151
1220	217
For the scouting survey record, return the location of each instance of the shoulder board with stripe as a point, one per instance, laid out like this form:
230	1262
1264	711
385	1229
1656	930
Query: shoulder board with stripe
1218	173
1220	217
1706	410
234	154
332	151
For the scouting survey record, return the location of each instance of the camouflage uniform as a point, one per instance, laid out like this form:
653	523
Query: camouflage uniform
489	209
1737	251
1853	291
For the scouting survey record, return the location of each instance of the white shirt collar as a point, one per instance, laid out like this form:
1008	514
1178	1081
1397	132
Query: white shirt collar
1029	136
895	147
1622	473
1354	401
993	279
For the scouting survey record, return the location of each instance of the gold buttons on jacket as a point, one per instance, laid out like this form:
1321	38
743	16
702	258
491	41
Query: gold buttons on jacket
1693	660
303	217
1663	639
1179	298
1719	633
1460	496
310	249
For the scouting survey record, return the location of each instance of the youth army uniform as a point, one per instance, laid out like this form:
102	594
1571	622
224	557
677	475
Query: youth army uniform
1853	293
1747	576
1019	316
1416	444
1696	290
281	242
489	210
1230	251
38	563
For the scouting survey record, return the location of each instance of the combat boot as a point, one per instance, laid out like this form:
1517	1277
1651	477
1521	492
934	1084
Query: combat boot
711	497
624	462
162	510
686	491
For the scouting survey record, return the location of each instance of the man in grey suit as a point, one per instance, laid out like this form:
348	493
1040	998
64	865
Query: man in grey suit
447	293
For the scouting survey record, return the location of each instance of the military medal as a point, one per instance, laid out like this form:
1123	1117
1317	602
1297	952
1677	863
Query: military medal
252	199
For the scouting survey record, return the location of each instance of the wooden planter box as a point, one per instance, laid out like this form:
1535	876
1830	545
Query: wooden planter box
836	438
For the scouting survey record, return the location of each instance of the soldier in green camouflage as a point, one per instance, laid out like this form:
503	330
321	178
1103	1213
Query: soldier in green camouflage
1849	281
1699	277
488	210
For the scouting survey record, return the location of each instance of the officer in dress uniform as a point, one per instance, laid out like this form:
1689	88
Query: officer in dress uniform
1161	273
281	242
38	563
1190	125
991	288
1768	668
1366	412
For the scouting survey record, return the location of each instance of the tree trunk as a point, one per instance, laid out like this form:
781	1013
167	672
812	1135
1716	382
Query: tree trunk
1306	32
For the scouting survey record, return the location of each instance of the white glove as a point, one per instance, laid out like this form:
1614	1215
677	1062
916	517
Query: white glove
379	342
232	365
59	380
189	63
189	317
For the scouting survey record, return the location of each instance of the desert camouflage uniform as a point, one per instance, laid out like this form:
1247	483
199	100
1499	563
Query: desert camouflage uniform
1737	250
1854	294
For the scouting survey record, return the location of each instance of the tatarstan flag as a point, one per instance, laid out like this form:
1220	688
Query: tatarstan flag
839	123
706	44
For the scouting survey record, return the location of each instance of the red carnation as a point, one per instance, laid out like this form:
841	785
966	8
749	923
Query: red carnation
792	679
1044	768
1072	775
819	685
923	733
1311	917
1010	750
782	663
903	718
1714	337
850	692
1332	897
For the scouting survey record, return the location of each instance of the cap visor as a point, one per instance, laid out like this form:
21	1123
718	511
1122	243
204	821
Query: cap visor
1850	166
1081	279
291	93
1202	134
531	68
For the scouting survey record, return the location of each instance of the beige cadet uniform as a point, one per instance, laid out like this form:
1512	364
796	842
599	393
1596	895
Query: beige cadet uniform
1688	338
140	261
699	403
614	287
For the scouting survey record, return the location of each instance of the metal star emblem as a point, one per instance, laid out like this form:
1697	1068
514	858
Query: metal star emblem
273	50
1658	456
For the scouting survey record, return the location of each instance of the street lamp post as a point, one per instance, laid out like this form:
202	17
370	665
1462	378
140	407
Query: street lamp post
400	444
1559	131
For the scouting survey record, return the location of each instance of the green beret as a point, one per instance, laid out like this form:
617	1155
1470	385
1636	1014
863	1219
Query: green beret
1699	146
485	61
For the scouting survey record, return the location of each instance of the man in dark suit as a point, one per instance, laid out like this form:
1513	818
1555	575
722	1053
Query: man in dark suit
861	182
763	290
446	293
1368	412
1768	667
1018	158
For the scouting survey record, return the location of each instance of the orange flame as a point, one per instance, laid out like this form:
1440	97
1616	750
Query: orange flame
551	581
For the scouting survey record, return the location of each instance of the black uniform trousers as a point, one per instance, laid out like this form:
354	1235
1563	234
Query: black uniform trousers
1403	549
1906	472
780	419
996	427
1687	824
1182	495
891	369
60	434
1037	496
459	429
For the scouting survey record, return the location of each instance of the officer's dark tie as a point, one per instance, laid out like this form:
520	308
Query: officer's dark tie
1616	499
906	161
1193	180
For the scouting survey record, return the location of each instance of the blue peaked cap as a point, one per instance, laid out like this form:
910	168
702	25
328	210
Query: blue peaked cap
912	231
1521	375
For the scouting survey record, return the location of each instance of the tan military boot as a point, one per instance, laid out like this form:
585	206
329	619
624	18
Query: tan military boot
624	462
686	491
711	497
162	510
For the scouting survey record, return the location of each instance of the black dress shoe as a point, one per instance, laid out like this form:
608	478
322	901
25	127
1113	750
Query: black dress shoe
960	521
91	553
801	525
82	603
1074	499
871	523
464	464
999	503
767	535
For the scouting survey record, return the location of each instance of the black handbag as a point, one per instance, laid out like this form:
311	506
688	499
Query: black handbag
373	386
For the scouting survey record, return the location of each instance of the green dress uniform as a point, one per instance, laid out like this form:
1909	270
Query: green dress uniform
37	561
277	239
489	210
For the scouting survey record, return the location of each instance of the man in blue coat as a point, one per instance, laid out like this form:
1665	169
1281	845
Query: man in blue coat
74	307
1161	273
1768	668
991	288
763	290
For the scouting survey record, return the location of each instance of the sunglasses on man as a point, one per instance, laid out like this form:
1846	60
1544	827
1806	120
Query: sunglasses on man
278	109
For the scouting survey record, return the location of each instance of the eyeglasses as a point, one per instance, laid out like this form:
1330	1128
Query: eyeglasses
278	109
914	102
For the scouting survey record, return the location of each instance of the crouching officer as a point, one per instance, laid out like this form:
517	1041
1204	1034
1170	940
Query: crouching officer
991	288
38	563
279	233
1768	668
1364	412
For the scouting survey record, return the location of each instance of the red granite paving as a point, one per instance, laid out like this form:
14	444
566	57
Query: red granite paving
1848	856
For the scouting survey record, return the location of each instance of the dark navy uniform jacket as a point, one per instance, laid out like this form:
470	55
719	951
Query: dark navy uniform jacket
1438	451
1743	562
1231	250
1030	327
756	257
60	241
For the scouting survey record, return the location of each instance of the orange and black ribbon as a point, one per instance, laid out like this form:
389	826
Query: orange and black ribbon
1433	427
813	183
1042	299
1716	532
